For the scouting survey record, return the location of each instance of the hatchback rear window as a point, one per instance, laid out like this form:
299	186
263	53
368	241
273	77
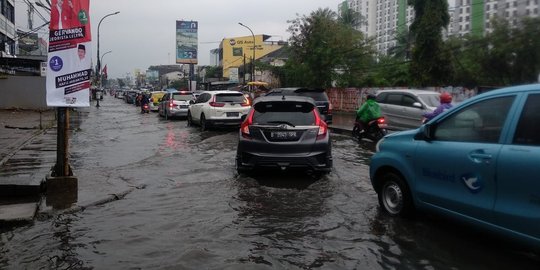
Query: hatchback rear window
297	114
232	98
182	97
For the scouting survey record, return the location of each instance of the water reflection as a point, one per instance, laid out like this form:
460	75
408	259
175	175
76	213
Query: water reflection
281	215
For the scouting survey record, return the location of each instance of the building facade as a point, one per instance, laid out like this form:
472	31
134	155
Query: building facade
474	16
7	28
383	20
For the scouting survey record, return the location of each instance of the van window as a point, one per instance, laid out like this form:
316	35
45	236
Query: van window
480	122
528	128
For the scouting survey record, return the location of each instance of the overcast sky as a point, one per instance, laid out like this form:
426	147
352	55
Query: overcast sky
143	34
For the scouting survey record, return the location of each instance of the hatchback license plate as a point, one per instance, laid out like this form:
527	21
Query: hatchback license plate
232	114
283	134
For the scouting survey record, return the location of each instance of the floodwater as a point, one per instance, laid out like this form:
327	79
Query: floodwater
192	211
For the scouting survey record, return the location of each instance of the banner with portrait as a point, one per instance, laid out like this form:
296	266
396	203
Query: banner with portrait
70	53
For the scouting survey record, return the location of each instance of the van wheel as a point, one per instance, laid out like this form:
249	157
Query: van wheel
394	195
204	124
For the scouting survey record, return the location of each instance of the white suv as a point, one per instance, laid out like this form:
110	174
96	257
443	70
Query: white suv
218	108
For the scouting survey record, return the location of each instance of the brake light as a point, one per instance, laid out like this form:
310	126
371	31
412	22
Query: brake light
323	127
244	128
213	103
381	120
246	102
171	104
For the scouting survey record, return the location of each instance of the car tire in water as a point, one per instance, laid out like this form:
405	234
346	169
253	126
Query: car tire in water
204	124
394	195
239	168
189	119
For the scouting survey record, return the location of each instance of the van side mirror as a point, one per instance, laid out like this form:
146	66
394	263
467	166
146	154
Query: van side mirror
425	133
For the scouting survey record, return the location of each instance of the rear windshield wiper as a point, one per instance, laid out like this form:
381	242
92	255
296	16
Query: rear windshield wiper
281	122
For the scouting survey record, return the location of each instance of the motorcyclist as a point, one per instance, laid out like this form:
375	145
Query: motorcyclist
144	101
370	110
446	103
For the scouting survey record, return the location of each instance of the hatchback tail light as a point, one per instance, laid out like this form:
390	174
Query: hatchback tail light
323	127
244	128
213	103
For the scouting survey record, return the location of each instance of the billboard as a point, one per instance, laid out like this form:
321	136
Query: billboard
152	75
186	42
70	52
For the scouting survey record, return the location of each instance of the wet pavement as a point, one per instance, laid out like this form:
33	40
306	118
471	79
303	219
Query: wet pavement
177	203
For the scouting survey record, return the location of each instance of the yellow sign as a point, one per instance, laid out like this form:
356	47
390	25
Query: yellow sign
235	50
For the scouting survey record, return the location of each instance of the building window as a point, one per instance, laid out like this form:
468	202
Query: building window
495	6
507	5
466	27
487	7
467	18
515	4
468	10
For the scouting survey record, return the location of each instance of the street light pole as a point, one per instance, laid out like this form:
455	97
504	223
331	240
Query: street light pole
252	59
98	60
102	62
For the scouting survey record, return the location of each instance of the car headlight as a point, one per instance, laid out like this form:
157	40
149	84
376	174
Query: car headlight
377	146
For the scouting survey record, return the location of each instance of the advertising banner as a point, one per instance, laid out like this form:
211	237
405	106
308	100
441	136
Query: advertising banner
70	53
186	42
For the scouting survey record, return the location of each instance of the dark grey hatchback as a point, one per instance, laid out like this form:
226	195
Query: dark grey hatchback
318	95
284	132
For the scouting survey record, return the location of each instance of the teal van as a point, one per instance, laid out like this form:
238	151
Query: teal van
478	162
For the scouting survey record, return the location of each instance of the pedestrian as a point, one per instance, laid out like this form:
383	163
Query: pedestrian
445	100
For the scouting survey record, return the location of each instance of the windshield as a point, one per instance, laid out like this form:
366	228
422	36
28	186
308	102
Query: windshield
182	97
431	99
232	98
291	113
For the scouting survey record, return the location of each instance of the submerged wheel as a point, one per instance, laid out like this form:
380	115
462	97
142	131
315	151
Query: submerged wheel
189	119
204	124
394	195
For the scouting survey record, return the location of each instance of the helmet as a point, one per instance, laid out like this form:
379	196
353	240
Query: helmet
371	96
445	97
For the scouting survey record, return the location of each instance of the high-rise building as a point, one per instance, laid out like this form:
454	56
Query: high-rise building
474	16
383	20
7	28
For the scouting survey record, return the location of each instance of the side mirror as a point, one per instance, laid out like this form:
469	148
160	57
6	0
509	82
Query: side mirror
417	105
192	101
425	133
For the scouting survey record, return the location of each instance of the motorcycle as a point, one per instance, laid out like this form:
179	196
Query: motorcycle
145	108
375	130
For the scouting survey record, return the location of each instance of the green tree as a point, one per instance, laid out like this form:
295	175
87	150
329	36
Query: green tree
430	63
507	55
323	50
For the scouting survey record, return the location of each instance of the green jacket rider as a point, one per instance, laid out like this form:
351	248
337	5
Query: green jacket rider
370	110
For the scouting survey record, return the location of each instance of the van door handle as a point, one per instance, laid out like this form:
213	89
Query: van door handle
481	157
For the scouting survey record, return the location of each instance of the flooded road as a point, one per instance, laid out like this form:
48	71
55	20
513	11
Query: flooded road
192	211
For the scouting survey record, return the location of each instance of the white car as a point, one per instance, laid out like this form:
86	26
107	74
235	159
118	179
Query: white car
175	104
218	108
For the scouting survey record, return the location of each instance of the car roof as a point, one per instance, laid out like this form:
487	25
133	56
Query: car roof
215	92
411	91
295	89
284	99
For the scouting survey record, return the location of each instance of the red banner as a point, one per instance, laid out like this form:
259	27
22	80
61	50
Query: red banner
69	63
